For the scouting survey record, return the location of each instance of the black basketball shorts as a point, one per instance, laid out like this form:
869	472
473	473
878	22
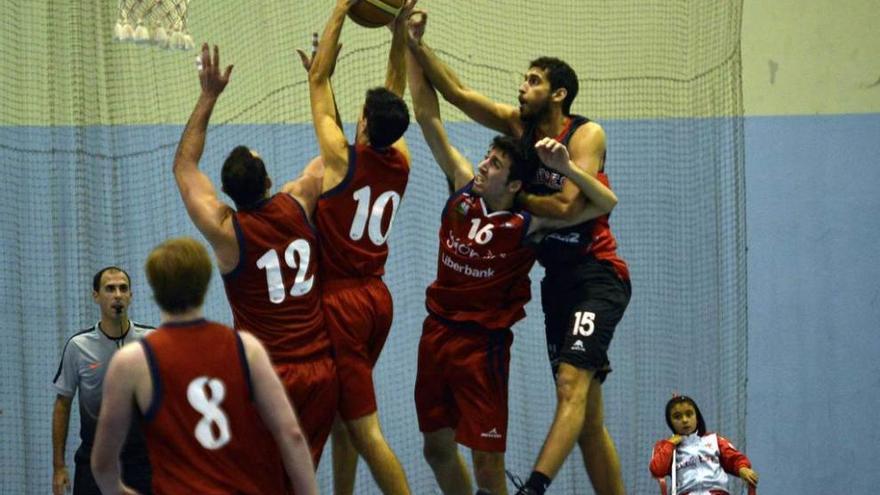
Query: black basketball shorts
582	305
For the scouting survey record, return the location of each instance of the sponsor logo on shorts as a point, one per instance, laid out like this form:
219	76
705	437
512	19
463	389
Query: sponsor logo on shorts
578	346
493	433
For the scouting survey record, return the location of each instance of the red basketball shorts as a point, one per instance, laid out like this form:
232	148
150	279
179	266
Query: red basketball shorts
462	382
313	389
358	314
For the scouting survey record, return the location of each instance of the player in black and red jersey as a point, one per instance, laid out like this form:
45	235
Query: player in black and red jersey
481	288
586	288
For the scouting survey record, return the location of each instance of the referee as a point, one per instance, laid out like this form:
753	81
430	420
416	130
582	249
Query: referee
83	364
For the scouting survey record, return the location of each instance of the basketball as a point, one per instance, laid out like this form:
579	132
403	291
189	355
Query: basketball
375	13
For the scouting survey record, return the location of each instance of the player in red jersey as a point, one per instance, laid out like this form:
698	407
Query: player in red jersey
362	189
481	288
267	252
210	417
586	288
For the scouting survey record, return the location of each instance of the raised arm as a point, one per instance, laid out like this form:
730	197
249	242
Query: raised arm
600	200
427	111
117	405
205	209
587	151
395	74
279	418
306	61
500	117
331	140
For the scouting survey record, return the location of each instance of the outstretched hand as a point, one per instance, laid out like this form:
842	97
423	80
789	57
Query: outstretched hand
307	59
553	154
416	22
403	15
213	82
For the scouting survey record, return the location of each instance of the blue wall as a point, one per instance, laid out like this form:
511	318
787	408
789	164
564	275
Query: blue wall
84	197
812	208
813	213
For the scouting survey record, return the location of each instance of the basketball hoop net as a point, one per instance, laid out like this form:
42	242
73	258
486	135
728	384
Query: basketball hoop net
160	23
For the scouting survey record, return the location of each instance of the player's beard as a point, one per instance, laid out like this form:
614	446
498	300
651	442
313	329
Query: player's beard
535	112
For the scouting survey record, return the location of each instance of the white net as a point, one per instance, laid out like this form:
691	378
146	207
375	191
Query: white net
88	129
160	23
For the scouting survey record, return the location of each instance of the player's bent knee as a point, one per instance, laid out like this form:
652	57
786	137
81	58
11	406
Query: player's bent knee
488	467
439	454
570	387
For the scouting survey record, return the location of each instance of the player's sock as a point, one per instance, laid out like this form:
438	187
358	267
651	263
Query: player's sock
537	483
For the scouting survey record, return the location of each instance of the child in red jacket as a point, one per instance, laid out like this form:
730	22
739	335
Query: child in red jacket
701	458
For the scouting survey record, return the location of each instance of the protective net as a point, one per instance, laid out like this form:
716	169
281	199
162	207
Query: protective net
155	22
88	129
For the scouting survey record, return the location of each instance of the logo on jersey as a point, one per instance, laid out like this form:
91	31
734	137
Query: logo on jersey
463	207
578	346
569	238
549	178
463	248
466	269
493	433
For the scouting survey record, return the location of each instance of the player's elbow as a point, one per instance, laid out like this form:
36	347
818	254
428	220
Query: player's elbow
608	203
456	95
424	116
567	209
656	470
101	462
294	435
318	75
62	403
182	165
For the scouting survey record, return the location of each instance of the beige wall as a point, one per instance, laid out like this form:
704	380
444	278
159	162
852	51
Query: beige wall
804	57
59	66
